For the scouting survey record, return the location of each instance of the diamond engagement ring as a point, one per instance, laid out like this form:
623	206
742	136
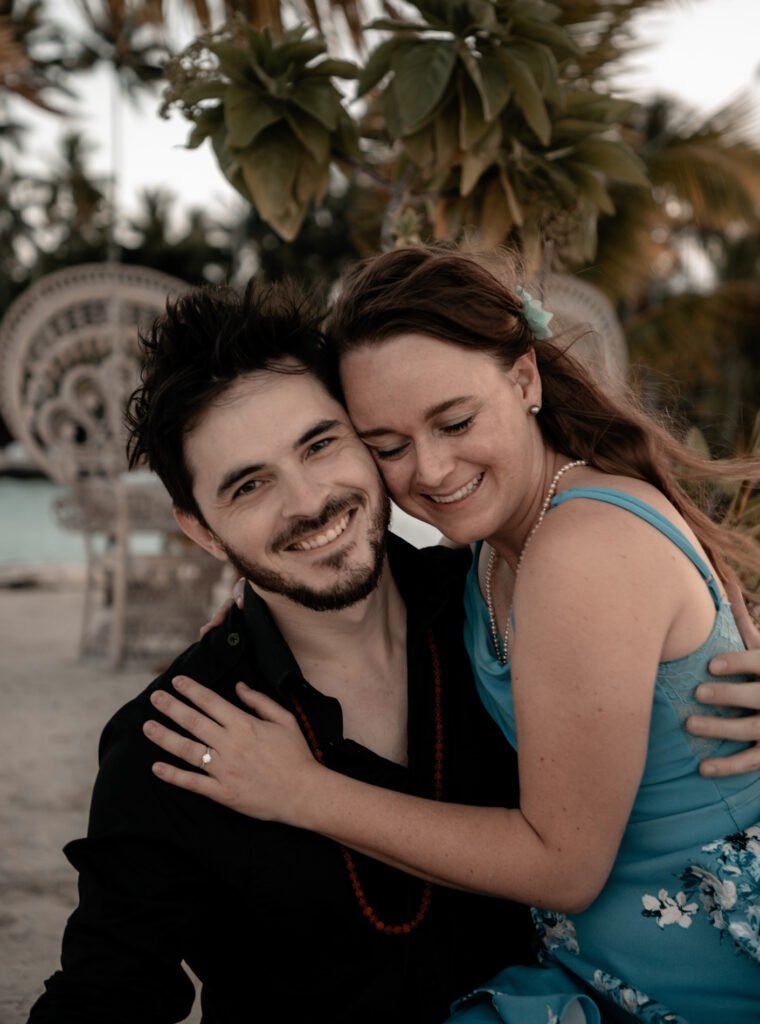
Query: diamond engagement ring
206	759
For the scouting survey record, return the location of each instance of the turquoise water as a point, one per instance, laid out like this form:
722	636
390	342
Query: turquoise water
30	534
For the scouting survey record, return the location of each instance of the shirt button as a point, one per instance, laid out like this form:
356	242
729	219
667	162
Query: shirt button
233	639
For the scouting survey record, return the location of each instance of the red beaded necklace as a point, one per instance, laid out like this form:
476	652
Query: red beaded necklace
353	875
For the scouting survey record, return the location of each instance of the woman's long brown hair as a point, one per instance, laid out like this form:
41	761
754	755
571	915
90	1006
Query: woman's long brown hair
464	299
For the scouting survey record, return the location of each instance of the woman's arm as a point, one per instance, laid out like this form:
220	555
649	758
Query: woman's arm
583	695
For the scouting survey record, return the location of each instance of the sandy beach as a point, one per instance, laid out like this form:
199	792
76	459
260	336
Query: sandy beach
52	709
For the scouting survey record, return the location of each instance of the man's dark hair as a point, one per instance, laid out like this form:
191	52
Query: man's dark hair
205	341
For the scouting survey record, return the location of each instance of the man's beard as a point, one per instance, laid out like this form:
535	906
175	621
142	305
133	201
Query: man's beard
355	584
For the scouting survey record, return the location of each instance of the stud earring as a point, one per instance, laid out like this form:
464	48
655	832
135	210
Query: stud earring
534	410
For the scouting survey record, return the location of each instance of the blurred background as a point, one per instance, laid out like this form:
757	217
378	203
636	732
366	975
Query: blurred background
146	146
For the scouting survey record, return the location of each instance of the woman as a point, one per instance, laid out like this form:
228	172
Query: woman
592	614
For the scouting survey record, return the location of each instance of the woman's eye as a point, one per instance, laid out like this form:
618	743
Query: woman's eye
389	453
459	427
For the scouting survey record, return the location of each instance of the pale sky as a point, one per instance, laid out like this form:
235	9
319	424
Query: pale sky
704	52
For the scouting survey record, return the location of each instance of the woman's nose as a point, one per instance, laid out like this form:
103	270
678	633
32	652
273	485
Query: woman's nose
433	466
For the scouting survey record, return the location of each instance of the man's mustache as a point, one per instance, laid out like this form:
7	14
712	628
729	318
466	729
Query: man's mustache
313	524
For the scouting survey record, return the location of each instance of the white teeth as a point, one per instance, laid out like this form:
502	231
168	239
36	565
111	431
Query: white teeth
457	495
324	538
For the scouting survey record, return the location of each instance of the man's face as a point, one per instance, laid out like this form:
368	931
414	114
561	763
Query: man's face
290	495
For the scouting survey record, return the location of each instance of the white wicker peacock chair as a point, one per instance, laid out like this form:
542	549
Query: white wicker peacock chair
68	361
584	313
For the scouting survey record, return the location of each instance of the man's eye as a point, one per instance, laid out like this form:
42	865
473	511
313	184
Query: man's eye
321	444
389	453
458	428
247	488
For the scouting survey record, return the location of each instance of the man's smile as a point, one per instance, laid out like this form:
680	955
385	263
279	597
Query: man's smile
326	535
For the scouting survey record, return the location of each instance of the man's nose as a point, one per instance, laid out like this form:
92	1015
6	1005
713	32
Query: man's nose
303	495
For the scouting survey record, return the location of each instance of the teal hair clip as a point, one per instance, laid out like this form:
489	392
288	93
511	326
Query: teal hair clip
536	317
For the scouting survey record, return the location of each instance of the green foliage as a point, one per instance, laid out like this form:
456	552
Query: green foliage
478	99
273	115
471	115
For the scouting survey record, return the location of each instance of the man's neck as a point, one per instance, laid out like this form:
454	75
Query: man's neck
370	623
358	656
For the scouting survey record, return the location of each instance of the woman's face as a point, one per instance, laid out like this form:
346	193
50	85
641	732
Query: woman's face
450	429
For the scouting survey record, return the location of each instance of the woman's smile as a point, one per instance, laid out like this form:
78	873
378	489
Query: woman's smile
458	496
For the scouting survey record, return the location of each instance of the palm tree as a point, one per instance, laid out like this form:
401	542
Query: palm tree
697	325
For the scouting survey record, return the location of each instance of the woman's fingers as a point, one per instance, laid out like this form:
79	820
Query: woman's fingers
196	782
207	700
749	632
200	726
266	708
735	695
217	618
187	750
737	764
744	730
734	663
237	598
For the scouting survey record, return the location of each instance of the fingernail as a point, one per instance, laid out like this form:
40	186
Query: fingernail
708	769
705	692
179	682
149	728
159	769
718	664
694	724
243	686
157	696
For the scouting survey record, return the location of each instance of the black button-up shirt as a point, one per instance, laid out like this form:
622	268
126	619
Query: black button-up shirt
263	913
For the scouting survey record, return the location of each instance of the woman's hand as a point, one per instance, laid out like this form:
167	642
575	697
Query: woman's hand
260	764
738	695
221	613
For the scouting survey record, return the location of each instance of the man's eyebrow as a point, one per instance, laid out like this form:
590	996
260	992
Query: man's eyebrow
434	410
231	478
319	428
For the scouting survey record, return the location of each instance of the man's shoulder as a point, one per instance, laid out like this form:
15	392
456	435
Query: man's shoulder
209	660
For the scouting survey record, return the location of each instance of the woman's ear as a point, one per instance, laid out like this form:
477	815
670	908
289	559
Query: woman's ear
525	375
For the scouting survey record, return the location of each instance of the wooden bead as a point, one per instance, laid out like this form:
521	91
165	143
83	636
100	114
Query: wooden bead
438	753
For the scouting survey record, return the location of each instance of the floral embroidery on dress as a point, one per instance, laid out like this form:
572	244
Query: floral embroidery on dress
730	893
669	909
635	1002
555	931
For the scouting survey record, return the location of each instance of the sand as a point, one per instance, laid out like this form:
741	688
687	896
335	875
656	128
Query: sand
52	709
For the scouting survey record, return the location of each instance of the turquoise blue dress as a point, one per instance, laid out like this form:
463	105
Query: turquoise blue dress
674	935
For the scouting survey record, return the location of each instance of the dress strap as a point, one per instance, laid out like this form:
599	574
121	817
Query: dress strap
654	518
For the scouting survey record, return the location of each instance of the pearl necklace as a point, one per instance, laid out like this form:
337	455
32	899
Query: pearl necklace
501	645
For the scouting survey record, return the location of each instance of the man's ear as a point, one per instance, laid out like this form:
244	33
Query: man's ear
200	534
525	374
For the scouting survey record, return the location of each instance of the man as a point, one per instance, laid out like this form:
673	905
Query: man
356	632
238	415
